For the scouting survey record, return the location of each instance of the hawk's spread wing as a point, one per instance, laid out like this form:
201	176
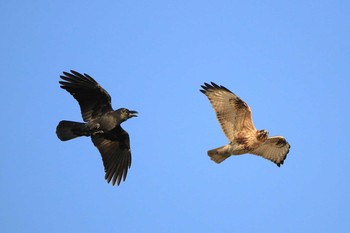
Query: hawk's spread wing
232	112
274	149
114	147
92	98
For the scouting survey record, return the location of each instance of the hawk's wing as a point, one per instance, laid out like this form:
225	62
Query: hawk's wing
274	149
114	147
232	112
92	98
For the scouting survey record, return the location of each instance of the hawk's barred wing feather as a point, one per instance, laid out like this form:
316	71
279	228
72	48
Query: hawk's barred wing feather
231	111
274	149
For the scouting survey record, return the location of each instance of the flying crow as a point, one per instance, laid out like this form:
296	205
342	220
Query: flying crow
102	124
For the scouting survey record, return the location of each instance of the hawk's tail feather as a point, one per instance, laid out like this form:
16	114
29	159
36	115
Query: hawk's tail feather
217	158
67	130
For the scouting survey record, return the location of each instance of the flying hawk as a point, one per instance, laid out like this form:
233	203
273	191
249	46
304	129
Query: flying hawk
102	124
235	118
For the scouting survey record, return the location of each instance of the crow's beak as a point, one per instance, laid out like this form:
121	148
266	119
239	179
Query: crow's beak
132	113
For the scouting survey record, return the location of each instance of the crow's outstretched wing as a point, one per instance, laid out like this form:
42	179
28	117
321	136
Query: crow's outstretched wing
92	98
114	147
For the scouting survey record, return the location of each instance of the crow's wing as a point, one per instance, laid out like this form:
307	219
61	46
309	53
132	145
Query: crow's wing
92	98
232	113
114	147
274	149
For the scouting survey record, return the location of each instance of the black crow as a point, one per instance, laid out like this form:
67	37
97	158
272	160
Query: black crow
102	124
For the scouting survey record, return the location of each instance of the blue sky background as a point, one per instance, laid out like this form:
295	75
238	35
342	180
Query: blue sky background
289	60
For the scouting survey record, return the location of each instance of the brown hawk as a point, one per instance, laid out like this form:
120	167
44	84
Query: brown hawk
235	118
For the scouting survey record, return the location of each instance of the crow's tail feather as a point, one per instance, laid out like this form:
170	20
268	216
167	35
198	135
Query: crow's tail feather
67	130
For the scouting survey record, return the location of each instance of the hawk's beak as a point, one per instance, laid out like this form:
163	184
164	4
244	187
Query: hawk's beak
132	113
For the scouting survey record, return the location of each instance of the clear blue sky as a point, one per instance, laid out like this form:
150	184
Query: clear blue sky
289	60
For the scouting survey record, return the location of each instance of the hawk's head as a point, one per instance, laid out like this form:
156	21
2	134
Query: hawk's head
262	135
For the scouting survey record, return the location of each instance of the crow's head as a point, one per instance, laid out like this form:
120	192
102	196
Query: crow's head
126	113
